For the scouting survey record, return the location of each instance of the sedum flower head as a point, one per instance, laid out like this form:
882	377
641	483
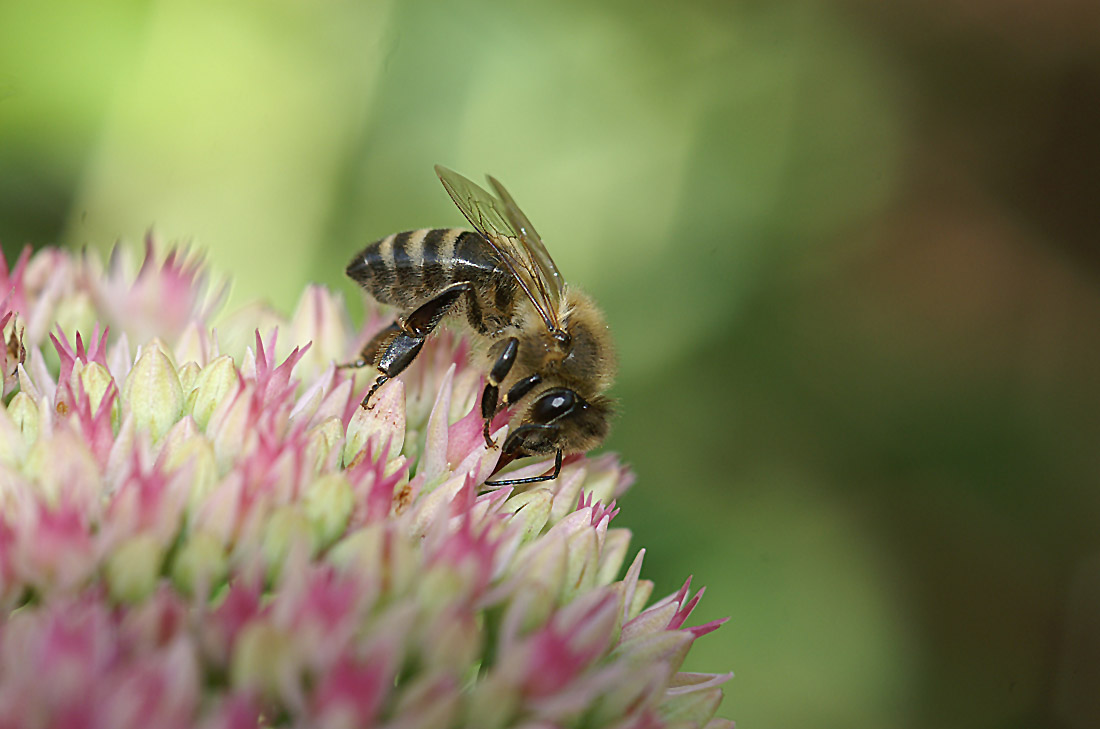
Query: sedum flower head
205	527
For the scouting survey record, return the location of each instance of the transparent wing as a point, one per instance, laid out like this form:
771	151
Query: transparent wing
532	243
492	218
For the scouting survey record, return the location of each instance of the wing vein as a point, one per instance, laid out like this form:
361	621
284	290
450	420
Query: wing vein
511	235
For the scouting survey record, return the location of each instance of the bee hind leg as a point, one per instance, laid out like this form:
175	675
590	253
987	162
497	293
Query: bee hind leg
369	354
395	347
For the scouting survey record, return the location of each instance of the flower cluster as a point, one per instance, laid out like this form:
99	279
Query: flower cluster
204	528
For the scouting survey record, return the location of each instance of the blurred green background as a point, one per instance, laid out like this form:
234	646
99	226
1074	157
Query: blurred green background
848	249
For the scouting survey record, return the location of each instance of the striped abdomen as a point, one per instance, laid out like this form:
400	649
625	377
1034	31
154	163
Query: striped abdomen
407	269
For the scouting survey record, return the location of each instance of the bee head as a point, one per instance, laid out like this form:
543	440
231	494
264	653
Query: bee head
561	418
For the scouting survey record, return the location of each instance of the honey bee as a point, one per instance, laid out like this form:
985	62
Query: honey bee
546	346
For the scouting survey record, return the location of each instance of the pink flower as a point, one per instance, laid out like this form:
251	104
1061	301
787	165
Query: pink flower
209	530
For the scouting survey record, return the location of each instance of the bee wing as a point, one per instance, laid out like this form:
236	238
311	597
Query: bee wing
549	275
493	219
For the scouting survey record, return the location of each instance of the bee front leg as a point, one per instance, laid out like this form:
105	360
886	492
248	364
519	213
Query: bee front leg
394	348
534	479
516	442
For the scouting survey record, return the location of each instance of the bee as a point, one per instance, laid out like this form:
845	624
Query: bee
545	343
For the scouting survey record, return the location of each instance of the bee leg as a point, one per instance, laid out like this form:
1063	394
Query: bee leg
534	479
427	316
369	353
515	442
515	394
394	349
378	382
500	370
354	365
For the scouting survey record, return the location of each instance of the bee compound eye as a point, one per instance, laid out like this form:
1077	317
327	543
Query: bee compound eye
553	404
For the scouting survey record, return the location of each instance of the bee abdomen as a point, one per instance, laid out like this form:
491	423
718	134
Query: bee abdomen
406	269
